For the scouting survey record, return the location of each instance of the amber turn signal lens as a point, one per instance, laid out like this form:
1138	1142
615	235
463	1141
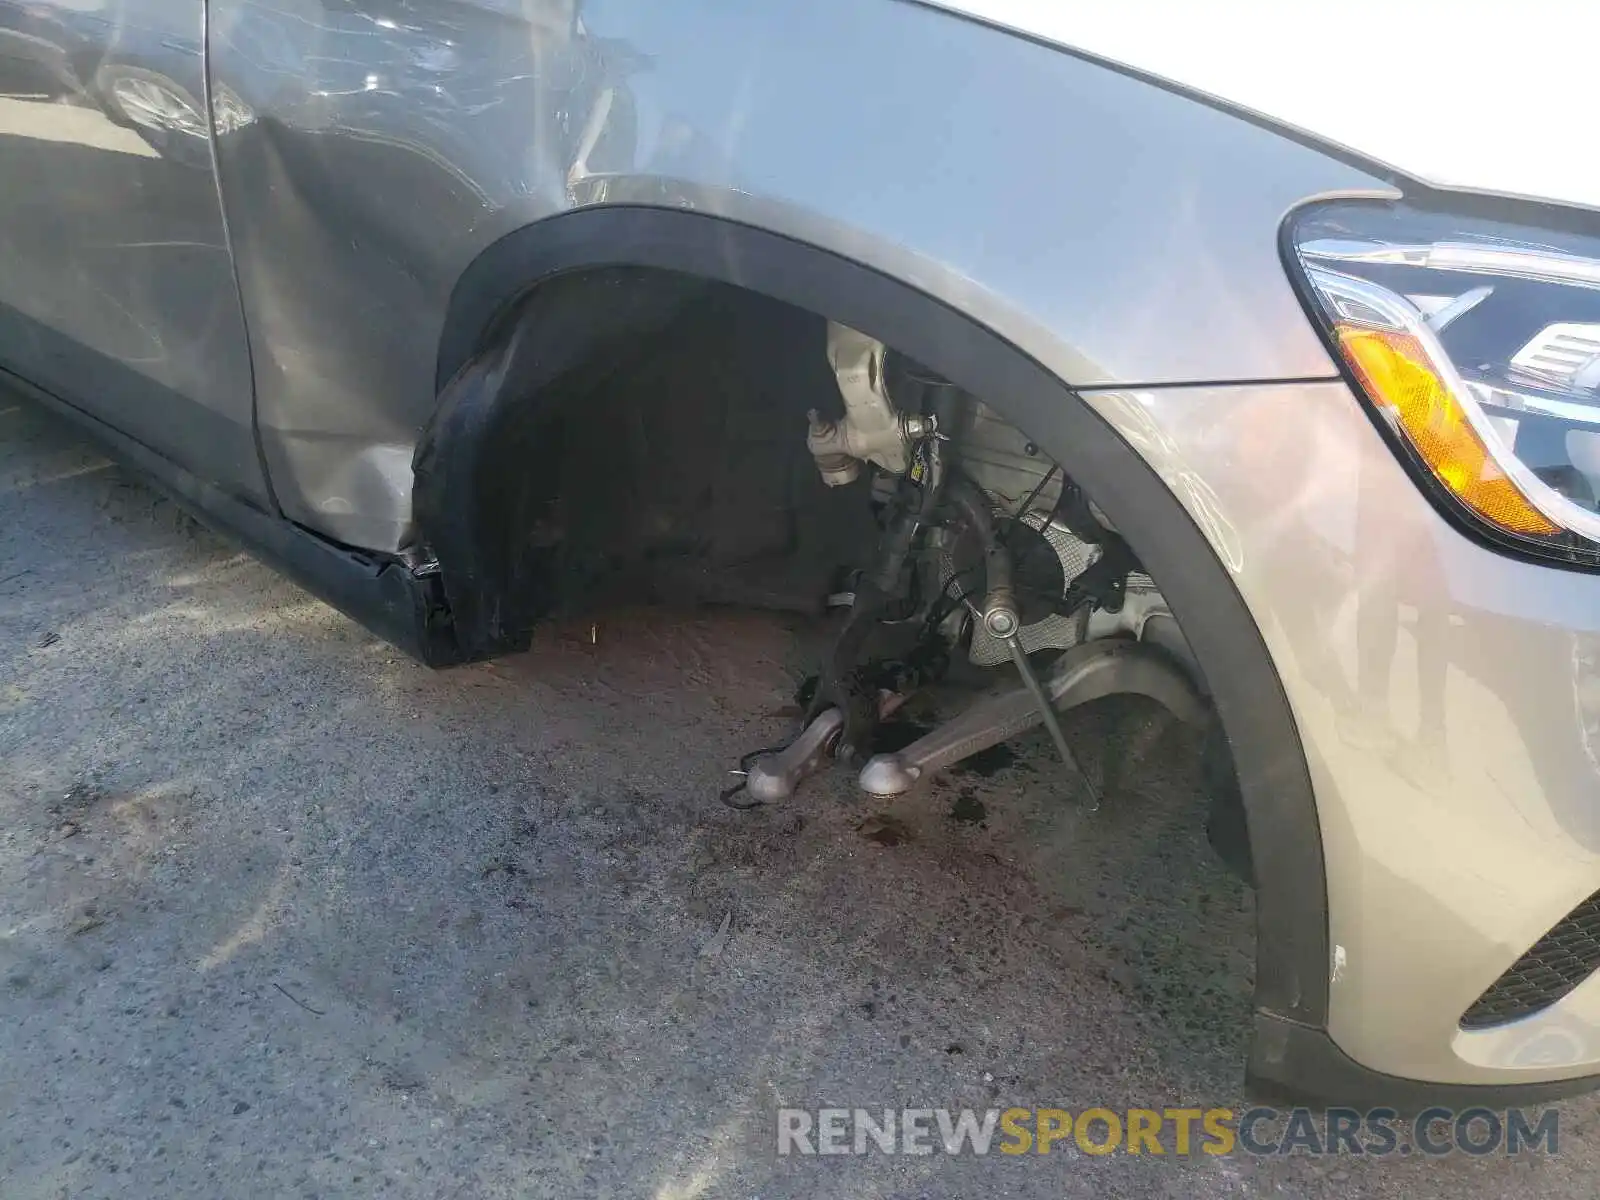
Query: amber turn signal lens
1393	367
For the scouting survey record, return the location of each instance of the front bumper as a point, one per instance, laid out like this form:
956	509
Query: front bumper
1448	701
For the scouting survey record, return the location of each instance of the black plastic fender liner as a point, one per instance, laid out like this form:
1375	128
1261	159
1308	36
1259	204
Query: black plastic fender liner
478	354
472	465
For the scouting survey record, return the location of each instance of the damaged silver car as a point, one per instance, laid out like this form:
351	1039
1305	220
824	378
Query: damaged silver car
1055	350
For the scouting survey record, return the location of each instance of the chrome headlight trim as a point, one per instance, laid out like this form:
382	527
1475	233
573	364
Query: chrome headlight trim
1502	312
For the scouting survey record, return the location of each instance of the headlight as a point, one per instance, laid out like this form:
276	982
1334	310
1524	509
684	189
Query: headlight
1478	345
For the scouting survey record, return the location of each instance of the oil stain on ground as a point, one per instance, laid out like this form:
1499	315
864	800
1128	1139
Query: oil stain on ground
968	809
884	829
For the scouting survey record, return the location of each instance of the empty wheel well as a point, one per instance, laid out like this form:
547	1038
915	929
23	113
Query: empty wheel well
533	479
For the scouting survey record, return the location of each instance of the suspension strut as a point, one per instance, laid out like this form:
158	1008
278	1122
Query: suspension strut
846	706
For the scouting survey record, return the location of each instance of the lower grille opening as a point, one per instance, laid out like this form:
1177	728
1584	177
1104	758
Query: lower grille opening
1552	967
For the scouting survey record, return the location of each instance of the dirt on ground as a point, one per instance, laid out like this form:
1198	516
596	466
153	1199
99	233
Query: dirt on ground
283	913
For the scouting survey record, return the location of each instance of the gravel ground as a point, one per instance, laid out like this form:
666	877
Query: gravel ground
284	914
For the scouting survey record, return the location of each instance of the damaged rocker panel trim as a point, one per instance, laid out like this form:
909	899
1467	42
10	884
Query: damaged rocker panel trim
380	592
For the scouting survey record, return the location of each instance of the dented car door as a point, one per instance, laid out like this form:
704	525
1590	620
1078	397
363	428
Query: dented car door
117	293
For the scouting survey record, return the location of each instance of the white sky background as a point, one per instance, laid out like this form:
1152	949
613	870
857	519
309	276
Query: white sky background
1495	94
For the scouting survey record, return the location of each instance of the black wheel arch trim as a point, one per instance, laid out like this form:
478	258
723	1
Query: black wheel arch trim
477	350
